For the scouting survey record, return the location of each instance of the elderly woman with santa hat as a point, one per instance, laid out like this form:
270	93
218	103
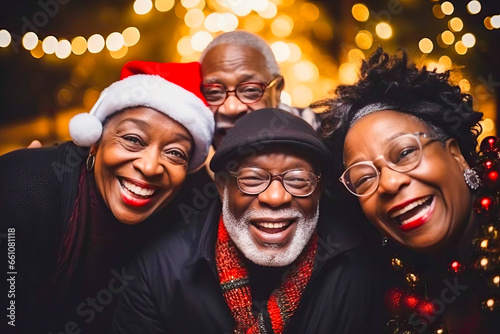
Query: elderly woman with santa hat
76	212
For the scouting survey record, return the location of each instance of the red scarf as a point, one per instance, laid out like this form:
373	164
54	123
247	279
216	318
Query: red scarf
234	281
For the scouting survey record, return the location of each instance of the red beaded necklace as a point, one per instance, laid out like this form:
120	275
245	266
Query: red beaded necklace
405	303
234	281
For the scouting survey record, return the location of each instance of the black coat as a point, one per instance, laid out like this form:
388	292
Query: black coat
174	287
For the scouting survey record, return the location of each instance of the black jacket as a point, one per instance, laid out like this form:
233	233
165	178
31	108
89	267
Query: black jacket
173	286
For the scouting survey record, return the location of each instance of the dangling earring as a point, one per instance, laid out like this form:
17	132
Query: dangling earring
90	162
385	241
471	178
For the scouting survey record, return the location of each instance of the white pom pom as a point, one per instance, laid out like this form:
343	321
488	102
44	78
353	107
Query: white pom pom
85	129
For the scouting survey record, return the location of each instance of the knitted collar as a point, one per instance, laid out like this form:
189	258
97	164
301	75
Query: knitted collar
234	281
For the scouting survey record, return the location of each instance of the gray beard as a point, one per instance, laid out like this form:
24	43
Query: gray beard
275	255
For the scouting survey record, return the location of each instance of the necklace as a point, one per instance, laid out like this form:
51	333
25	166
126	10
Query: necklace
414	312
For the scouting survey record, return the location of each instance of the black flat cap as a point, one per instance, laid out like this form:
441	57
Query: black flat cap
264	127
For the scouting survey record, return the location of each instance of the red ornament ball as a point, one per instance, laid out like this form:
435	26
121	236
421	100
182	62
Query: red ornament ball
490	144
456	267
486	206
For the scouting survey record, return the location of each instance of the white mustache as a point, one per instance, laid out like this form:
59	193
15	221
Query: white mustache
288	213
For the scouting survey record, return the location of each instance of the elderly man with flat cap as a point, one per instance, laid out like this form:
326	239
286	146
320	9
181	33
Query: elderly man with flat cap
266	259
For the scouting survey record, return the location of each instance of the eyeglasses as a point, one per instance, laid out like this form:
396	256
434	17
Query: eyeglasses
402	154
246	92
297	182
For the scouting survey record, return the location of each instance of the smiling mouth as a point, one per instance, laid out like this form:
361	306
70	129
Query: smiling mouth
137	190
272	227
414	214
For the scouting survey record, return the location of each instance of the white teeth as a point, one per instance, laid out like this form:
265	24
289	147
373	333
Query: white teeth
418	215
272	225
410	206
136	189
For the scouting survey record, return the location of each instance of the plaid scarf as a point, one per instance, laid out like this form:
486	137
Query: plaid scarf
234	281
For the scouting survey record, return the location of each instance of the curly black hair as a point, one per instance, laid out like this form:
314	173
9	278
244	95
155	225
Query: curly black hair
394	81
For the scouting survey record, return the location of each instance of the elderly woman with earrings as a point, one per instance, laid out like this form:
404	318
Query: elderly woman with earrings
405	141
75	213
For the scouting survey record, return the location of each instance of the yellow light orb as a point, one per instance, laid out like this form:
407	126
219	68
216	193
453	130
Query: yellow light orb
64	97
484	262
258	5
131	36
37	52
447	8
495	21
95	43
142	7
474	7
488	125
200	40
348	73
63	49
190	3
323	30
383	30
194	18
490	302
285	98
49	44
286	3
213	22
364	39
79	45
184	46
270	11
229	22
438	67
456	24
448	37
5	38
282	26
118	54
281	51
302	96
496	279
115	41
469	40
355	56
436	10
164	5
30	40
240	8
309	11
252	23
360	12
295	52
446	61
305	71
425	45
487	23
460	48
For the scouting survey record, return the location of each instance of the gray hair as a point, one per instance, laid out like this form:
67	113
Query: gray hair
248	39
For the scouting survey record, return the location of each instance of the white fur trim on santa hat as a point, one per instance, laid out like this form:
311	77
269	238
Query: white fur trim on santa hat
154	92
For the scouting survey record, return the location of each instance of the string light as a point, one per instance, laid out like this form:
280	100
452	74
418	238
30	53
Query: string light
455	24
270	11
425	45
360	12
281	51
383	30
142	7
30	41
447	37
115	41
79	45
447	8
469	40
50	44
495	21
95	43
282	26
364	39
460	48
164	5
131	36
474	7
63	49
5	38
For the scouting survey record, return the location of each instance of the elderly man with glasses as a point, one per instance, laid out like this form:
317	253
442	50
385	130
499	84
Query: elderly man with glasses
264	260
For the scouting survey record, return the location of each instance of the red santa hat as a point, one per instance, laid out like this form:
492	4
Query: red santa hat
170	88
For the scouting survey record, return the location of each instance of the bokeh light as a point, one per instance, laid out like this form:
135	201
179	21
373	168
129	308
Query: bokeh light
164	5
383	30
348	73
469	40
37	52
495	21
464	85
63	49
259	5
50	44
184	46
190	3
95	43
455	24
309	11
79	45
447	8
425	45
252	23
115	41
30	40
242	8
200	40
282	26
302	96
295	52
360	12
5	38
131	36
487	23
446	61
460	48
355	55
118	54
142	7
474	7
487	124
364	39
436	10
305	71
194	18
270	11
447	37
281	51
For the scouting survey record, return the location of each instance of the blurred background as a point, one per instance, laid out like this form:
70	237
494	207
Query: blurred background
56	56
